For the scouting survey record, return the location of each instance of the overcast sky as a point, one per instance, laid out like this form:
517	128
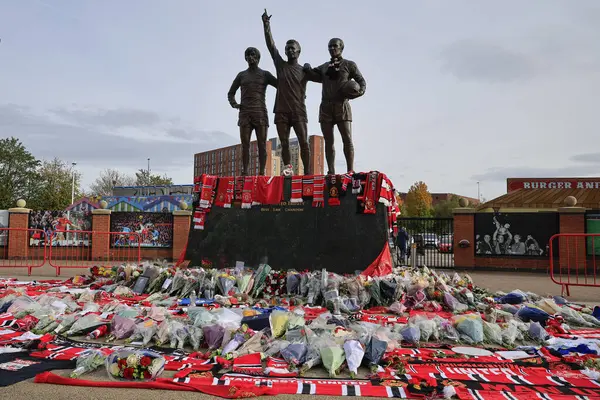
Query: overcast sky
457	91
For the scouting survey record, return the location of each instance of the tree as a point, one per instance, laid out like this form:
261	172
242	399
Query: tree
143	178
444	209
54	185
109	178
418	200
18	172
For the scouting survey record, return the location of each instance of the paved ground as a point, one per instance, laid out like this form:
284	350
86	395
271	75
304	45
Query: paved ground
535	282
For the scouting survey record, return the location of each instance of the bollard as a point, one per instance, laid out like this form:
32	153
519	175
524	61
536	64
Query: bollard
413	255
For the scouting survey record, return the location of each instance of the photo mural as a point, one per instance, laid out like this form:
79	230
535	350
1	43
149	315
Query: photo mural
59	228
3	224
515	234
154	229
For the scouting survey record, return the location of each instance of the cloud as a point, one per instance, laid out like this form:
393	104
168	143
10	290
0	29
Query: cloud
104	138
500	174
488	62
109	118
593	158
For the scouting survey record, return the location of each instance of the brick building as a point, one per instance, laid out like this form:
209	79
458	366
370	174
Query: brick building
227	161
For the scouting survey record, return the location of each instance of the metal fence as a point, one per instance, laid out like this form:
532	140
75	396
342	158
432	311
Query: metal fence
119	248
17	239
434	239
578	261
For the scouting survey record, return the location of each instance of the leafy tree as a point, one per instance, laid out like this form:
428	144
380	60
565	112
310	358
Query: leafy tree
143	178
53	187
109	178
18	172
418	200
444	209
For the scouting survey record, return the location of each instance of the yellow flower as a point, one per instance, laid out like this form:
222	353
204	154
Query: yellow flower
114	369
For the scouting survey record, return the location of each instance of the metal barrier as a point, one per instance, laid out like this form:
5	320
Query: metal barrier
575	264
73	249
22	248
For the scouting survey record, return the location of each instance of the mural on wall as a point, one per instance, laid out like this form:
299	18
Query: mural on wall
60	227
154	229
515	234
3	224
592	225
150	204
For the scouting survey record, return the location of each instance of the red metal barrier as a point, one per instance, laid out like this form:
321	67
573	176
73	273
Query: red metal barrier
84	249
22	248
576	263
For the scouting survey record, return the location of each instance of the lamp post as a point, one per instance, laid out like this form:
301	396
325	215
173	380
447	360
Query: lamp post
73	164
478	192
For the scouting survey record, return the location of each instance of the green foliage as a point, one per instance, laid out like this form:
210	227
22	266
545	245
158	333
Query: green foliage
53	188
143	178
418	200
18	172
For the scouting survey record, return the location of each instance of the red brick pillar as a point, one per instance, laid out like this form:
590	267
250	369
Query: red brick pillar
464	229
571	250
18	239
181	230
100	236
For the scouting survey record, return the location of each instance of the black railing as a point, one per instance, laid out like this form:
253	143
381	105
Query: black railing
434	238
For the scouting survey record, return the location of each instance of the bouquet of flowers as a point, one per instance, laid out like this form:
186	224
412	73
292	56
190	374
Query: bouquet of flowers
225	283
141	365
88	361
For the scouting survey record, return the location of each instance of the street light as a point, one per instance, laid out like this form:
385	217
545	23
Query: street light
73	164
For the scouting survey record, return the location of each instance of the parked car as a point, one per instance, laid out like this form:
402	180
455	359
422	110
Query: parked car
430	240
446	244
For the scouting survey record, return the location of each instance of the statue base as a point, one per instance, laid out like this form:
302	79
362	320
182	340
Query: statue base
292	235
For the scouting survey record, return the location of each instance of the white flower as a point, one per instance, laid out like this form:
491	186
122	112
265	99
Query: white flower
133	360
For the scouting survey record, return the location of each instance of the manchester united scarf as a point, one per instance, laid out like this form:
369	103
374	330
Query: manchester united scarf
318	191
207	190
296	190
247	191
199	219
371	194
307	186
224	196
334	186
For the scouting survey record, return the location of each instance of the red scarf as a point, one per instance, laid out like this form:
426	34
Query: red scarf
296	190
199	219
268	190
207	190
197	181
371	193
318	191
334	191
249	364
249	183
307	186
224	195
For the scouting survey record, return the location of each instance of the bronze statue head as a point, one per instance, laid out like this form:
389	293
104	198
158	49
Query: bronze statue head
292	49
336	47
252	56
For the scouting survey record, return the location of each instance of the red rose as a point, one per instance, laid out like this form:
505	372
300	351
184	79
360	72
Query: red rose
122	363
147	375
145	361
128	373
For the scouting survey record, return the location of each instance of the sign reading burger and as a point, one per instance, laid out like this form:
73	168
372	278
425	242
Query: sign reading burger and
513	184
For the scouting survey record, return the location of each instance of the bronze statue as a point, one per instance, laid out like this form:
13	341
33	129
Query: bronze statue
253	108
290	108
342	81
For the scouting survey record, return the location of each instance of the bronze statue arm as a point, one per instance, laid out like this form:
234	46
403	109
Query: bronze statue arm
268	35
271	80
360	80
235	85
312	74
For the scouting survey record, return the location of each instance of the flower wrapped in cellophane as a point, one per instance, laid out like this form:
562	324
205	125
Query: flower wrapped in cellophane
88	361
140	365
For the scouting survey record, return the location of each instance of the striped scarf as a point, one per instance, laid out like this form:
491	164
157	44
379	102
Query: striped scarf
318	191
296	190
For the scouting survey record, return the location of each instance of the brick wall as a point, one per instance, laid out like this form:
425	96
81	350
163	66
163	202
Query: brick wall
464	229
100	241
18	240
181	230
